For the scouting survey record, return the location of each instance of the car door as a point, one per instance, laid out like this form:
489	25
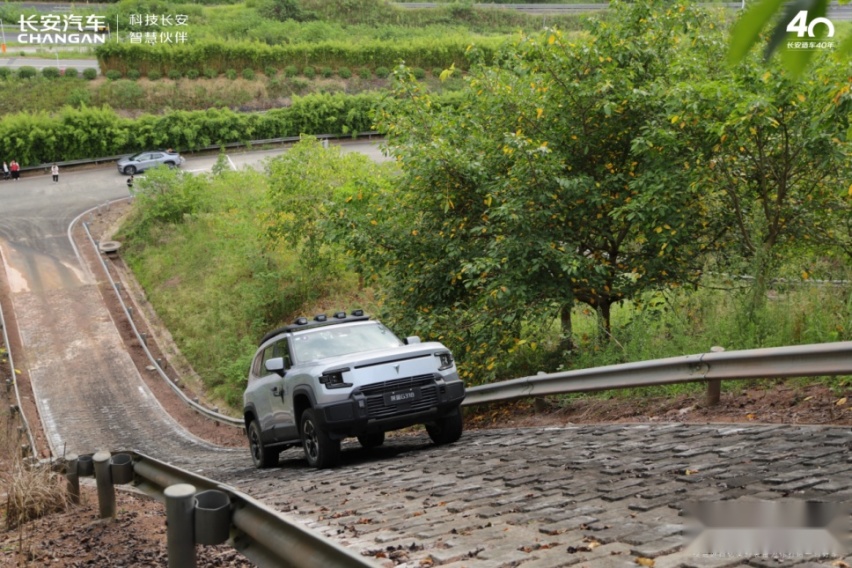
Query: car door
281	415
151	160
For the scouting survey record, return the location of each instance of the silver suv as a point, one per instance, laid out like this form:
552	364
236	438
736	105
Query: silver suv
313	383
144	160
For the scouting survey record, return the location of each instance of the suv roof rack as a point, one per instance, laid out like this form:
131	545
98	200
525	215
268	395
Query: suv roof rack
320	320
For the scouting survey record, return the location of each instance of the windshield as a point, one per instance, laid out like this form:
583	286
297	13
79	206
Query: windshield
333	341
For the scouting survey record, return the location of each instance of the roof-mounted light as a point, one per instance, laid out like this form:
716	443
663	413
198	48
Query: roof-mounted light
320	317
301	321
340	315
357	313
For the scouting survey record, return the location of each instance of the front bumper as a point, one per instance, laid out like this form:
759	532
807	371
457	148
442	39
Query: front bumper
366	411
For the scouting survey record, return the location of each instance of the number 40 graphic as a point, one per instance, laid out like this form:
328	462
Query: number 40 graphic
800	25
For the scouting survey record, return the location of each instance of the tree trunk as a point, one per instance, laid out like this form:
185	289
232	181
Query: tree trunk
605	313
567	341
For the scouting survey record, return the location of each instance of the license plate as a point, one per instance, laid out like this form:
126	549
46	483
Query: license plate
401	397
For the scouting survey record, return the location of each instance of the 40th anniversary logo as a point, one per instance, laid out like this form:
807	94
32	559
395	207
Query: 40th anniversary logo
812	36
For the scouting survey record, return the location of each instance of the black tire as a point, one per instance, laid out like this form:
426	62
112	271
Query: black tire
371	440
129	170
262	456
320	450
171	165
447	429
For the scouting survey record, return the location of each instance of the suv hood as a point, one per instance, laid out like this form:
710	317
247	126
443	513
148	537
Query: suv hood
356	361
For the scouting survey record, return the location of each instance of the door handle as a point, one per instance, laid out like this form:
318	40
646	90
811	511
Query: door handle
278	392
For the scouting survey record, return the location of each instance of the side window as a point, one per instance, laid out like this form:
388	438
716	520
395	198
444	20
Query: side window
277	349
256	366
282	349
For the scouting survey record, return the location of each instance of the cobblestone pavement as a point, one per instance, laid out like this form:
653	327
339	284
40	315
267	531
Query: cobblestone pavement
597	496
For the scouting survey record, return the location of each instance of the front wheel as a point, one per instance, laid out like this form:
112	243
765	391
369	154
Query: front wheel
171	165
129	170
262	456
446	429
320	450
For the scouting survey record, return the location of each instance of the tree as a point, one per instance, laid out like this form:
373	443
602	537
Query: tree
541	188
777	156
307	187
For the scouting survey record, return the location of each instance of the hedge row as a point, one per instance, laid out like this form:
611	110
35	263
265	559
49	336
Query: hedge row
73	134
427	53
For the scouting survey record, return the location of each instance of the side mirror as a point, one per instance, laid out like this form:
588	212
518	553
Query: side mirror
412	340
275	365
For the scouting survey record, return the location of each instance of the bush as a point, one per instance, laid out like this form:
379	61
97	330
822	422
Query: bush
436	72
133	74
78	97
298	85
382	72
344	73
27	72
309	72
248	74
90	74
154	75
192	74
5	72
51	73
327	72
210	73
418	73
270	71
231	74
175	74
291	71
365	73
113	74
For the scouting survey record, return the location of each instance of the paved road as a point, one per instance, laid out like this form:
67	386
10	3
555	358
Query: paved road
593	496
15	62
88	392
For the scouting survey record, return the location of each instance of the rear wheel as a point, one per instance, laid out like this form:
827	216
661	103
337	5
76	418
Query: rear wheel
261	455
129	170
446	429
171	165
371	440
320	450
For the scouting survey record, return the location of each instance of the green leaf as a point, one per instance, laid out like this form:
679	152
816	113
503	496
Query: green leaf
746	31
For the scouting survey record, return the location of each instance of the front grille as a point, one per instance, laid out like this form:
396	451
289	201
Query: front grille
376	400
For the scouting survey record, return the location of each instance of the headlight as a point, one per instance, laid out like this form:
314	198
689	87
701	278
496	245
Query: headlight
446	360
334	379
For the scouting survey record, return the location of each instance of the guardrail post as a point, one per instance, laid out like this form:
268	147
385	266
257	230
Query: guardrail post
714	386
212	517
180	530
106	490
72	478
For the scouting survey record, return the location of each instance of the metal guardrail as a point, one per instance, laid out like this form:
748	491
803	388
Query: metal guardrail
12	383
202	511
222	418
813	360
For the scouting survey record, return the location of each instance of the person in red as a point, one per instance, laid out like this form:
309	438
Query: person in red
16	170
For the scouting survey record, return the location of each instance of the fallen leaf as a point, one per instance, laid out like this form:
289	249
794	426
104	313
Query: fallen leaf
647	562
807	398
750	416
841	402
840	564
690	471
